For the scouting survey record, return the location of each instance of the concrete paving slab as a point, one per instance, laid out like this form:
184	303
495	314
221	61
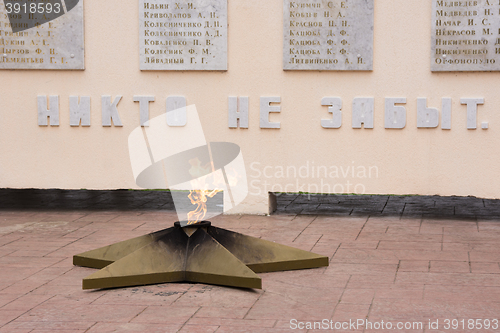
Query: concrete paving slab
389	268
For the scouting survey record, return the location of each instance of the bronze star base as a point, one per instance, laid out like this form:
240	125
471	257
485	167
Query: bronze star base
198	254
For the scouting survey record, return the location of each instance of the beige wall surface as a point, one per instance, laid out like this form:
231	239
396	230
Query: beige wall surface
408	161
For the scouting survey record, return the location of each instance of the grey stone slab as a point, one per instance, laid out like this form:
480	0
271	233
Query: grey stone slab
465	36
422	201
383	205
328	210
467	210
308	199
300	206
55	45
180	35
365	211
391	213
328	35
491	203
489	217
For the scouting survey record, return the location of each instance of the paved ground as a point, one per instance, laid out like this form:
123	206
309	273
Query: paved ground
388	268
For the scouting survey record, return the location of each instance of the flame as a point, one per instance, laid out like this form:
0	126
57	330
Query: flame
199	198
201	194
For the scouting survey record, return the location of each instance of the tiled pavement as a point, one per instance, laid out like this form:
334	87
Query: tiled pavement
390	268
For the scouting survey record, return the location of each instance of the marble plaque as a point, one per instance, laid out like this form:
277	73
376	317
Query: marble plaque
183	35
465	35
39	40
328	35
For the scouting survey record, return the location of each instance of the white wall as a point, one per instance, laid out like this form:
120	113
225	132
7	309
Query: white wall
409	161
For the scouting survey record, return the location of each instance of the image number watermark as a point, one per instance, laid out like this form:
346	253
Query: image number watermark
356	324
27	14
365	324
32	8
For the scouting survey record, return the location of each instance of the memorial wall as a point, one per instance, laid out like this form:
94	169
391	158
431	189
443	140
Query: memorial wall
352	96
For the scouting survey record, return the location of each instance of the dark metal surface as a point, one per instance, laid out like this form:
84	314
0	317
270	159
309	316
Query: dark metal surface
200	254
263	256
158	262
107	255
184	224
